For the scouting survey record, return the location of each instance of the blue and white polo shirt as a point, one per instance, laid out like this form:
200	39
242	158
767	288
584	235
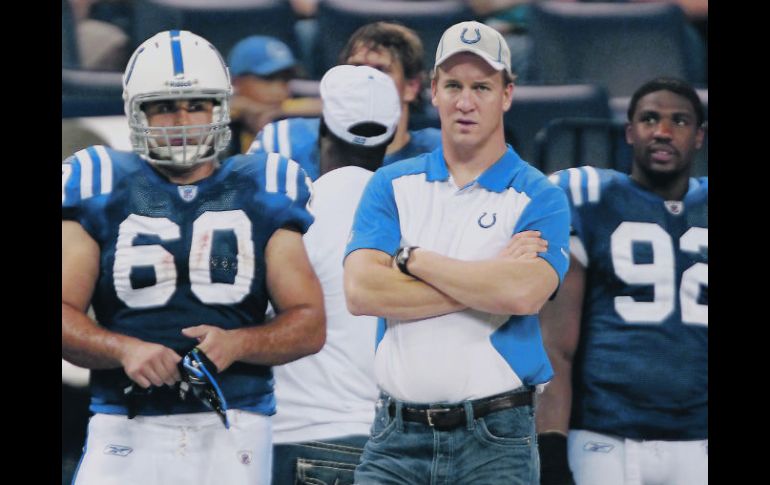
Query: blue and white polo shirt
468	354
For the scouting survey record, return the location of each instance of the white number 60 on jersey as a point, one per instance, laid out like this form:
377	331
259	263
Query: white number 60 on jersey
127	256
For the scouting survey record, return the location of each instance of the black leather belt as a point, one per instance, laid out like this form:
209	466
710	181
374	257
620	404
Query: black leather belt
446	418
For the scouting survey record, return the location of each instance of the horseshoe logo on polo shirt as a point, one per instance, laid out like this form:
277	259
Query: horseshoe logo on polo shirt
485	226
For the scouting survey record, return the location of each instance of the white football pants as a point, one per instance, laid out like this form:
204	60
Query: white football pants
185	449
601	459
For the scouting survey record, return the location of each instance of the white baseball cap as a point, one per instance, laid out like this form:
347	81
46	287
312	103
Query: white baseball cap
477	38
352	95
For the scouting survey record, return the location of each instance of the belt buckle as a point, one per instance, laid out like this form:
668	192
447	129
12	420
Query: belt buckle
429	414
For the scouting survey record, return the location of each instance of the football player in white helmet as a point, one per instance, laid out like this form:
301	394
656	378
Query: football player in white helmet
178	253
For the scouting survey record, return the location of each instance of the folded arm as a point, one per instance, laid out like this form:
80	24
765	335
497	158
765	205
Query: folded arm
374	286
515	282
440	284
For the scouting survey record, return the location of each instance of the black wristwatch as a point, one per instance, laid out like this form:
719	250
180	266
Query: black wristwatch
402	258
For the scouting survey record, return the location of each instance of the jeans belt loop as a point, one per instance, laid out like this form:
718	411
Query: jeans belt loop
398	407
469	415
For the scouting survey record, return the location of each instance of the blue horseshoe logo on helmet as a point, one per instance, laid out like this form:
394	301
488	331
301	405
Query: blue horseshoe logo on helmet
473	41
486	226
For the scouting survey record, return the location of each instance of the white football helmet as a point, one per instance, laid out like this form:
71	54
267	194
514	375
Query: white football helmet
173	65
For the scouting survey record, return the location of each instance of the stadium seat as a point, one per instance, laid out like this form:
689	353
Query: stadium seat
305	88
91	93
338	19
534	106
83	92
69	43
222	22
617	45
576	141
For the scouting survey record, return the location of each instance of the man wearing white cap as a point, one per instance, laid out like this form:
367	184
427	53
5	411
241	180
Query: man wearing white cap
458	249
326	401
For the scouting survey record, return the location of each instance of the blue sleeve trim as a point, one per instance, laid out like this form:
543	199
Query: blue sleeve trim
376	223
295	213
548	212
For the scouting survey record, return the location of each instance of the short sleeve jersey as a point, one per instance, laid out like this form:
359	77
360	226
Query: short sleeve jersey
174	256
641	368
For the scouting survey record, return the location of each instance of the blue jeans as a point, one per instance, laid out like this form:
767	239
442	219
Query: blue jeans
499	448
317	462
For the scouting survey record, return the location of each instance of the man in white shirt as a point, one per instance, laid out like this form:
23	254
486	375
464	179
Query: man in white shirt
326	402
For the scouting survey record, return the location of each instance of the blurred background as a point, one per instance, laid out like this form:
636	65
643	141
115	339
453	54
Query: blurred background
577	64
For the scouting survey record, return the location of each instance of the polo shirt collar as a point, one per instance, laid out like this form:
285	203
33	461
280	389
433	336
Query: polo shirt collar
437	170
496	178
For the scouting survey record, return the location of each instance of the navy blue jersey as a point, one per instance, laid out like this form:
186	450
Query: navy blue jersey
177	256
641	368
297	138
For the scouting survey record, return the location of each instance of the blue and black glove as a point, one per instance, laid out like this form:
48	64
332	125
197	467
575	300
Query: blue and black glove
198	375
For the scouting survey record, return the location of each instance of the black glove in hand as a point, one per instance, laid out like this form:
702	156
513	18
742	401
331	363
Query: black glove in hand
554	468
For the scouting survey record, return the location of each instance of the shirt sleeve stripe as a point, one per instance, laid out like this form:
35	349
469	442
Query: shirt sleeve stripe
268	133
66	171
106	169
271	172
575	186
593	183
86	174
284	144
254	147
291	179
554	179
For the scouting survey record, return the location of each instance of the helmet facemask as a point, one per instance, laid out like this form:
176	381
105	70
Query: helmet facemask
182	146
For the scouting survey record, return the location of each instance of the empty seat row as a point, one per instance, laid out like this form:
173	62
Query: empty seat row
616	45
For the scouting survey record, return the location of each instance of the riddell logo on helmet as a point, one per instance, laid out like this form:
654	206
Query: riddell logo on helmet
181	84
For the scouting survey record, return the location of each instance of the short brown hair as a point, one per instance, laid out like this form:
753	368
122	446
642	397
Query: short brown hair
402	42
